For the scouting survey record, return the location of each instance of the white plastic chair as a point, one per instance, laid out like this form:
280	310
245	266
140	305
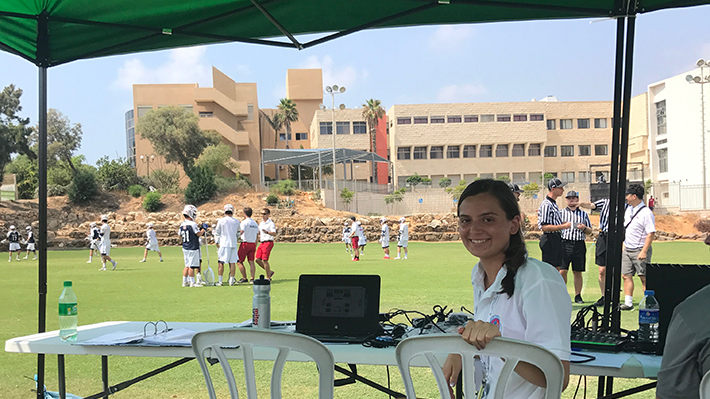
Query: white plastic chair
705	386
511	350
210	343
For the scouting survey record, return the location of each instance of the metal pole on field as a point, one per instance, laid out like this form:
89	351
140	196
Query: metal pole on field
702	80
333	90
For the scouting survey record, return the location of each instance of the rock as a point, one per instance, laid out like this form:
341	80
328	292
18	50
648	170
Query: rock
434	224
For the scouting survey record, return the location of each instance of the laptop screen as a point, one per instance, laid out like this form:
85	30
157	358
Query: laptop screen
338	305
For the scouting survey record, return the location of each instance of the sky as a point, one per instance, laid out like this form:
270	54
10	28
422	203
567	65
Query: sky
496	62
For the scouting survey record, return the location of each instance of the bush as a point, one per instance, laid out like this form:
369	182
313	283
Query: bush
226	185
396	196
152	203
315	196
285	187
56	190
116	174
136	190
272	199
59	176
166	180
201	187
347	195
83	188
444	182
702	225
458	190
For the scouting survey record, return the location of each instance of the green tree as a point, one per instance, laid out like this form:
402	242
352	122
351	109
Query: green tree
647	186
83	187
504	178
531	189
396	196
202	186
414	180
444	182
218	158
26	175
372	112
115	174
63	139
276	122
14	130
347	195
287	108
426	181
175	134
458	190
546	177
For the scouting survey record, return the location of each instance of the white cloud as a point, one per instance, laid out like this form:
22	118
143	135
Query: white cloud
460	93
450	36
242	70
184	65
341	76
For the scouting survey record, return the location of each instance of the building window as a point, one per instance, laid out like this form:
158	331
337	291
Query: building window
551	151
662	160
567	150
503	118
326	128
143	109
565	124
404	153
187	108
404	121
453	119
250	112
359	127
520	118
206	114
536	117
469	151
585	150
660	142
518	150
436	152
486	151
487	118
437	119
551	124
419	120
470	118
419	152
342	127
601	149
600	123
661	118
583	177
519	178
282	137
452	151
534	149
301	136
568	177
501	150
486	175
582	123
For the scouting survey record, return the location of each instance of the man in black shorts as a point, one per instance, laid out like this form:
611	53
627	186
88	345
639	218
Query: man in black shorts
550	223
574	249
602	206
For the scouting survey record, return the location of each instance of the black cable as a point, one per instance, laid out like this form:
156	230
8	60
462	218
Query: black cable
388	382
587	358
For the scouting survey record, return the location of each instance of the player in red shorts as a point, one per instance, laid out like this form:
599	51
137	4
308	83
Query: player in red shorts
267	231
247	248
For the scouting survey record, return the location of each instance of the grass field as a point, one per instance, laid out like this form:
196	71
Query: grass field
435	273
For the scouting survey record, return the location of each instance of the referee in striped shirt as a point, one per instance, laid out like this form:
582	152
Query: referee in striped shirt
574	250
550	223
602	206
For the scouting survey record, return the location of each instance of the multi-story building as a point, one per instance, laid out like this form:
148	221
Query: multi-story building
520	140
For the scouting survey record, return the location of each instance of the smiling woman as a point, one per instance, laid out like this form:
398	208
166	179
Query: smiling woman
514	296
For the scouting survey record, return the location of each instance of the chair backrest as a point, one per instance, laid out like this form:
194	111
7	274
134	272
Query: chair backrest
210	344
511	350
705	386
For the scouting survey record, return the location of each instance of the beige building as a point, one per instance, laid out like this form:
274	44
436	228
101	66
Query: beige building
520	140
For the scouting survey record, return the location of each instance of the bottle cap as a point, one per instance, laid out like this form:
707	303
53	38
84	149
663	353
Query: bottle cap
67	283
649	292
262	281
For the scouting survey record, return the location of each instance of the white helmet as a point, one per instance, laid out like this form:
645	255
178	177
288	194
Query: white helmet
28	228
346	223
92	224
402	219
190	211
12	228
104	218
383	220
149	225
229	208
358	223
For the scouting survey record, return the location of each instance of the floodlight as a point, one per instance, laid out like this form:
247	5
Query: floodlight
700	63
342	107
322	107
342	90
335	88
689	78
329	89
696	79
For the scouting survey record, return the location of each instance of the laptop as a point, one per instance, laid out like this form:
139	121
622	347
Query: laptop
338	308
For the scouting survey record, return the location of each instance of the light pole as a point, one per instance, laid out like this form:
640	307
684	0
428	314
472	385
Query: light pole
333	90
147	160
702	80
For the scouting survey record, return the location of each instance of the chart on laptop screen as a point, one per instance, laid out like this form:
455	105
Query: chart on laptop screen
339	301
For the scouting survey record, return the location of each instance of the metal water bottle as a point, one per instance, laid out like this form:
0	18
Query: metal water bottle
261	305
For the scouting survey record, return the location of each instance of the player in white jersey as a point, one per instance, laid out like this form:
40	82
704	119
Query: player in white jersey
227	237
354	239
13	237
346	237
30	243
94	239
152	242
247	248
385	237
361	238
105	245
402	238
267	230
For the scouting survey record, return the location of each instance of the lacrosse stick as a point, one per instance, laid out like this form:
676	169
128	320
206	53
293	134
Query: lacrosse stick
208	275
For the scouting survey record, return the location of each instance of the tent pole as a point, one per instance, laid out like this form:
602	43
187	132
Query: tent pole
261	170
320	176
299	177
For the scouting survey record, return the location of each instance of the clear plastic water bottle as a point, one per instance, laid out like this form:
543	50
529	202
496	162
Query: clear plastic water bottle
67	313
261	305
648	318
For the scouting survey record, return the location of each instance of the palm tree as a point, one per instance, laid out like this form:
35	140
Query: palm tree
287	108
372	112
276	122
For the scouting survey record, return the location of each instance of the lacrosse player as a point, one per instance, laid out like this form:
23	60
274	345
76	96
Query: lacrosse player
190	233
402	238
152	243
30	243
385	237
362	240
227	237
13	237
105	245
94	238
346	237
247	248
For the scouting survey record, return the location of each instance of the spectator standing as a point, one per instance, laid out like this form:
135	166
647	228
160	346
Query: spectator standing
574	247
247	248
651	203
639	227
226	235
267	230
549	221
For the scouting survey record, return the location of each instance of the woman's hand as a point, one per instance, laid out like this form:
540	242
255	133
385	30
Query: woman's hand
452	369
479	333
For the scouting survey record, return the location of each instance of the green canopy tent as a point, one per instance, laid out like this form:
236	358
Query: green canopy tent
54	32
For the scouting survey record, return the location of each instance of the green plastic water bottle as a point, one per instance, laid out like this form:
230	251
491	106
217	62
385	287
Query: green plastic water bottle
67	313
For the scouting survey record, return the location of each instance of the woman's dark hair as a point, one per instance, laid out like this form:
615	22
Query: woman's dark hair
516	253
